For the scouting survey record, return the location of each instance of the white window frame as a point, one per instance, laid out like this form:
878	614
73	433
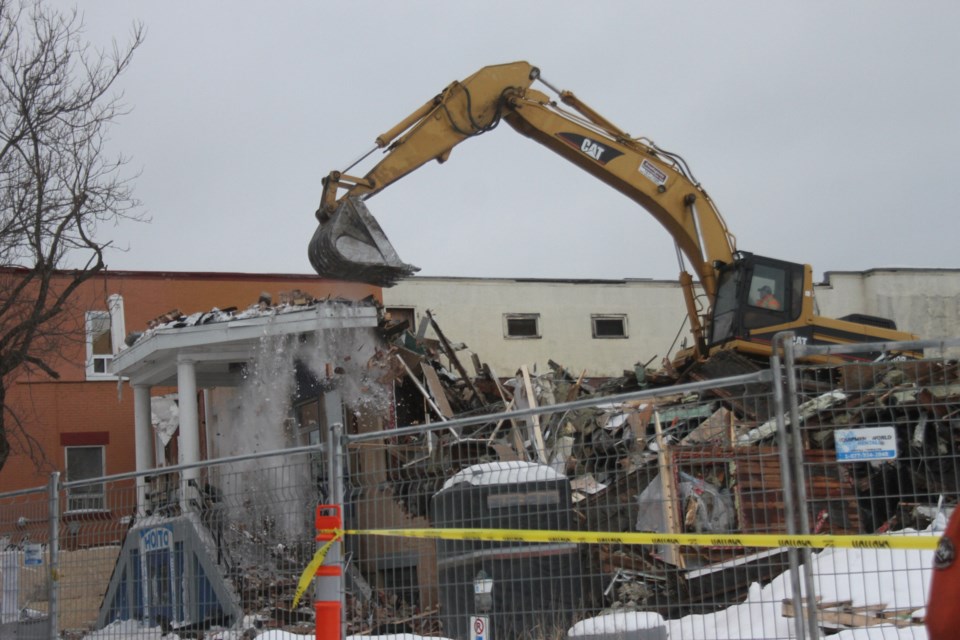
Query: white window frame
93	319
115	317
622	317
507	317
94	499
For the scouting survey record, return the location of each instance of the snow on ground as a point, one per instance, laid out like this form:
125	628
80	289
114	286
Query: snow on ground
897	578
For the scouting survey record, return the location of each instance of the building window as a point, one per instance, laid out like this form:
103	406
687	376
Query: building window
85	463
105	334
99	343
521	325
609	326
400	314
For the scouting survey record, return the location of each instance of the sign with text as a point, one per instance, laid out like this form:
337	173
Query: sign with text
156	539
868	443
32	555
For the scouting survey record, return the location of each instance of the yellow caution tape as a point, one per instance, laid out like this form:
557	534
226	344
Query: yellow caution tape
311	569
771	540
686	539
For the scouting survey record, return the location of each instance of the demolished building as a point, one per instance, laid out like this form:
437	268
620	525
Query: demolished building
706	451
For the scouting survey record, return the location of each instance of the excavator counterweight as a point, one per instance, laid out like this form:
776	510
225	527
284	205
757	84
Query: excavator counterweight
351	245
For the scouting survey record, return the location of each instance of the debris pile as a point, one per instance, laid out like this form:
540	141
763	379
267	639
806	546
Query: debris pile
690	462
711	456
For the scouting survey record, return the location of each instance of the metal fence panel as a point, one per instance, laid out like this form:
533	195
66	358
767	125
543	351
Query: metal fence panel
688	459
888	429
716	459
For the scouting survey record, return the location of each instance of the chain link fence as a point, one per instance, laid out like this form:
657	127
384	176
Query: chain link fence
864	449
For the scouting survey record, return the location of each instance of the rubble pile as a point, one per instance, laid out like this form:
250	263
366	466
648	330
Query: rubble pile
674	462
711	455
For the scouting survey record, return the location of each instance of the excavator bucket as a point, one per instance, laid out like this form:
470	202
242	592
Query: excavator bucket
351	246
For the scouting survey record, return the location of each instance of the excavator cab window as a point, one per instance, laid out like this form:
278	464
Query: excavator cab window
726	307
753	293
767	286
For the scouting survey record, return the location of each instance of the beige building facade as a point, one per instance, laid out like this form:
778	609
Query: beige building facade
604	327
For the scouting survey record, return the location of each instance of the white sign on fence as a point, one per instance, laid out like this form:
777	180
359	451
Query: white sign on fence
479	628
867	443
32	555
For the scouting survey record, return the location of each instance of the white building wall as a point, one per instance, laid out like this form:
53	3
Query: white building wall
470	310
925	302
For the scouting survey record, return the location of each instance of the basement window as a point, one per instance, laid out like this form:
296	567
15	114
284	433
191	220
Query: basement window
521	325
609	325
85	463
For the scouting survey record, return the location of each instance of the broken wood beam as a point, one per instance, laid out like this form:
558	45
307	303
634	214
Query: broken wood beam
669	494
536	433
426	394
448	350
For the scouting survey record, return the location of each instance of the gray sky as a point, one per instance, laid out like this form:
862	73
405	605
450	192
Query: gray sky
827	132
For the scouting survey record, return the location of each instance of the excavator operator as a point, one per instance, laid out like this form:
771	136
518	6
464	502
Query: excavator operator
766	299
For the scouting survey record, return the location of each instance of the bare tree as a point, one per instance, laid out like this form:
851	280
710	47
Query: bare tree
58	185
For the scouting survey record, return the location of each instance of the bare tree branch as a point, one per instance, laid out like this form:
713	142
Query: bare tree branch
58	185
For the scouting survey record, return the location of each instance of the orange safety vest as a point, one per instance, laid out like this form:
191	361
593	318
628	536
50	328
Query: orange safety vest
943	607
769	301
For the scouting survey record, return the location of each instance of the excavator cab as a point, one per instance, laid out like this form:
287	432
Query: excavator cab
754	293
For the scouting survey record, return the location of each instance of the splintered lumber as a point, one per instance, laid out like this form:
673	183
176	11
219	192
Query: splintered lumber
536	434
448	350
426	394
515	436
670	497
436	390
843	615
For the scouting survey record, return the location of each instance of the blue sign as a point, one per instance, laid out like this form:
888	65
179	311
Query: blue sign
156	539
867	443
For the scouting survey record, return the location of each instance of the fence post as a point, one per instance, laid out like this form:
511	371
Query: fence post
787	482
792	480
53	546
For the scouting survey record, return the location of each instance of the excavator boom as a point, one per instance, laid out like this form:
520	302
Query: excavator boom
350	245
476	105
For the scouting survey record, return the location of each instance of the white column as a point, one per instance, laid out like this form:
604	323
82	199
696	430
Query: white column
189	443
143	438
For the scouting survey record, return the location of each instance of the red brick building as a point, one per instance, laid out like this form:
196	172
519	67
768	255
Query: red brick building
82	423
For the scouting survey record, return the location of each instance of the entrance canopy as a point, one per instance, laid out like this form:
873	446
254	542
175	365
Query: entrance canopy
219	348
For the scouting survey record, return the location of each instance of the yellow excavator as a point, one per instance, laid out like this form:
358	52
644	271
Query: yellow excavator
749	297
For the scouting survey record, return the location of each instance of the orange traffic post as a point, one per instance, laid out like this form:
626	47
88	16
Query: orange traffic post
329	575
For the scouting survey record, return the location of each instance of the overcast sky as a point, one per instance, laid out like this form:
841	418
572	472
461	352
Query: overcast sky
827	132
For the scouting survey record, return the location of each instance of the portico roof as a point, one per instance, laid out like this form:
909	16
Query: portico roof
220	348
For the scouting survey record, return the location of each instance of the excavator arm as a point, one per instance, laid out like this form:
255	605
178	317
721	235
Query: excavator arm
478	104
350	245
